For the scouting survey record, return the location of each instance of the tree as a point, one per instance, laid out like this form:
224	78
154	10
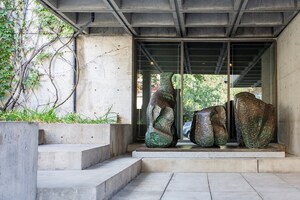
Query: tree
201	91
27	31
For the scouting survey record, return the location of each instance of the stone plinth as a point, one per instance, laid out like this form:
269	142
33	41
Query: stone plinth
191	151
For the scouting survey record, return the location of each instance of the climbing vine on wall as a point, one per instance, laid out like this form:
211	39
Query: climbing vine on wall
6	49
28	32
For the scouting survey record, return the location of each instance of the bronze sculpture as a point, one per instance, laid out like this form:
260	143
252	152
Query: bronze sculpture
255	121
208	127
161	130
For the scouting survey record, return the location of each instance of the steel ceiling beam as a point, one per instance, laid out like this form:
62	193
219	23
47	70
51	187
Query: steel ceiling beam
180	17
187	62
53	9
233	16
150	57
239	17
120	17
251	65
223	54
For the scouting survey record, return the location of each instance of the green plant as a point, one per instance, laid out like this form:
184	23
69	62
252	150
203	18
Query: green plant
50	116
6	48
28	32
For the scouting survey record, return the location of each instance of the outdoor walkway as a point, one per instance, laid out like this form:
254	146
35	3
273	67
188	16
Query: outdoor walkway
216	186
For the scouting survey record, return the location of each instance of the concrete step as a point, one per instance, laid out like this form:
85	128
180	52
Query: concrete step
118	136
101	181
71	156
222	165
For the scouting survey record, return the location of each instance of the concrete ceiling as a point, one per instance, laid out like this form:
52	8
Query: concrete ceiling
178	18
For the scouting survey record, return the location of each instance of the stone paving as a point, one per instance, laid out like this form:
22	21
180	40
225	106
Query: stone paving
212	186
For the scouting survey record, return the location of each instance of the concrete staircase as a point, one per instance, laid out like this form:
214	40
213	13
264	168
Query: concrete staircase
101	181
77	166
71	156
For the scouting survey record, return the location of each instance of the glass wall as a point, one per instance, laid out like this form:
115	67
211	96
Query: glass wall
252	70
204	80
152	60
205	70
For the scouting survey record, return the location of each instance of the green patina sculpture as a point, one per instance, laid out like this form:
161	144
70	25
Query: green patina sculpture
255	121
161	130
208	127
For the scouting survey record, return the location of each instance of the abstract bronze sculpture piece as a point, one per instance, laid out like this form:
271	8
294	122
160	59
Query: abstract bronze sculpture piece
208	127
255	121
161	130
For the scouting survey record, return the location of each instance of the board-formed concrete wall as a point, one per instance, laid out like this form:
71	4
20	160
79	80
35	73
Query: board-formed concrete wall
18	160
288	73
106	76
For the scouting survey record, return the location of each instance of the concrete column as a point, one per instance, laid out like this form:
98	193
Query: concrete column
267	70
288	73
18	160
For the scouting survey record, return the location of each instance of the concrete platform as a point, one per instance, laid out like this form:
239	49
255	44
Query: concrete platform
98	182
71	156
222	165
188	150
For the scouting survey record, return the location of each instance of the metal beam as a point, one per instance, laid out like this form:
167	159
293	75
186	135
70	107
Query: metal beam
53	9
239	17
173	4
251	65
120	17
233	16
180	16
187	63
222	57
288	20
149	57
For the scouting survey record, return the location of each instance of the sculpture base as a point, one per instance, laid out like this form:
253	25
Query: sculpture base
184	150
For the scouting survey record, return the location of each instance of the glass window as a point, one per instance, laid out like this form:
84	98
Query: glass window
152	60
205	76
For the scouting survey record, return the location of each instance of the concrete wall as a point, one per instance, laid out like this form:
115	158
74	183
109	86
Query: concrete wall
288	73
267	76
118	136
106	76
18	160
62	75
106	72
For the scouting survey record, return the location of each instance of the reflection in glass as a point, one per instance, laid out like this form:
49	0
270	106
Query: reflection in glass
152	60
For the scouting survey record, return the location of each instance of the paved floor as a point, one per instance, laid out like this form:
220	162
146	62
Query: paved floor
212	186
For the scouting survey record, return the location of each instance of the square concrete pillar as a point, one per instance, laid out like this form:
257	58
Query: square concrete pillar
18	160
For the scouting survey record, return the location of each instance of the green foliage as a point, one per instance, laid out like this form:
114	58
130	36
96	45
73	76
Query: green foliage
50	23
32	80
50	116
26	33
6	48
202	91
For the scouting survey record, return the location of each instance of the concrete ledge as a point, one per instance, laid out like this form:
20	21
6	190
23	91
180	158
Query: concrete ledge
18	160
208	154
71	156
279	165
101	181
199	165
